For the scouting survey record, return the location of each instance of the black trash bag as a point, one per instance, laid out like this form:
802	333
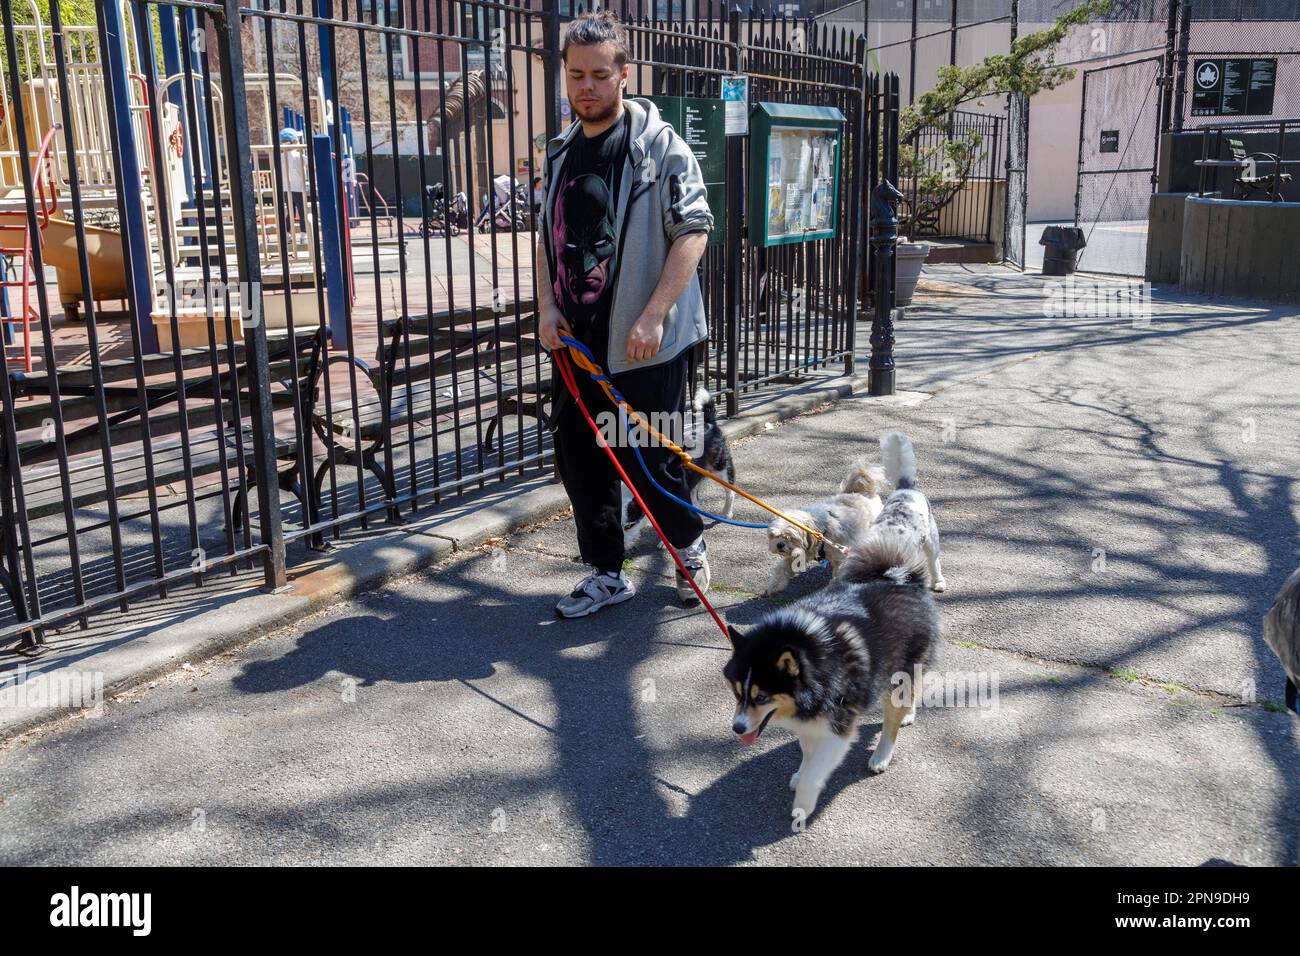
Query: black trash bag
1060	257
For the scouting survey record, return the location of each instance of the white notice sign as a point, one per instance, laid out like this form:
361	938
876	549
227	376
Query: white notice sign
735	94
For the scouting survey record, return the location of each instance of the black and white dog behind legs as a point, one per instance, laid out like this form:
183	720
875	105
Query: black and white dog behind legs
708	449
907	514
816	666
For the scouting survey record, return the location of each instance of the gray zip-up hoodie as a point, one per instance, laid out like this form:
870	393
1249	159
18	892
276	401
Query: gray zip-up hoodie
661	197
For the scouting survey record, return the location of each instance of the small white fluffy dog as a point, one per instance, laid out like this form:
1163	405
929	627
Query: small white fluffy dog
843	519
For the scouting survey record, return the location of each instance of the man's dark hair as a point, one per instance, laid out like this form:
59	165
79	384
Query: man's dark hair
592	29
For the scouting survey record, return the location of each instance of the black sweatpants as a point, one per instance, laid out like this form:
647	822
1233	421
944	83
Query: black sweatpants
589	476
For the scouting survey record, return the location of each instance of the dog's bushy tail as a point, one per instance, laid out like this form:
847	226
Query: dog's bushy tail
705	406
1282	633
864	479
884	553
899	459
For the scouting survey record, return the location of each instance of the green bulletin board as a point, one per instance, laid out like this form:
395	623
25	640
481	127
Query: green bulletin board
794	178
700	122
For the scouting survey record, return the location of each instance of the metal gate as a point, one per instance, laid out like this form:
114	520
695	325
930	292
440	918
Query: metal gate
1119	139
1017	178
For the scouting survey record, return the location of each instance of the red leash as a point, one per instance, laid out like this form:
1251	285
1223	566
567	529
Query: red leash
561	359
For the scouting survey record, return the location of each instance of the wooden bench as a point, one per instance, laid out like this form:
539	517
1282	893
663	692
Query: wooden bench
1251	182
411	394
204	440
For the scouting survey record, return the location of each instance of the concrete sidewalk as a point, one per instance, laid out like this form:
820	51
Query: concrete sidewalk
1118	506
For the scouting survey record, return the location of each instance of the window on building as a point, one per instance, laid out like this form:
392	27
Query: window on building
385	12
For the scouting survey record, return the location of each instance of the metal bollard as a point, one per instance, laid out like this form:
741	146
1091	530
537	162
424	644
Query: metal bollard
884	239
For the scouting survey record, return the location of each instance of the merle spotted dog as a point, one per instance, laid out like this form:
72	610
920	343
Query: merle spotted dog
907	514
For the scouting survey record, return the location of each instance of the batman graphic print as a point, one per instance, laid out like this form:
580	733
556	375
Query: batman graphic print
585	233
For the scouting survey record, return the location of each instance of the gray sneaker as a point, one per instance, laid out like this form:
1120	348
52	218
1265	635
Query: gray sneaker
696	559
593	592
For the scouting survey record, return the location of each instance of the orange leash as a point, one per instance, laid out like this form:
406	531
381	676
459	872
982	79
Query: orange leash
584	360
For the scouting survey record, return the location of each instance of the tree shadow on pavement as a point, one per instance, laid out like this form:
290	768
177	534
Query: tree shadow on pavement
604	769
1202	538
1022	498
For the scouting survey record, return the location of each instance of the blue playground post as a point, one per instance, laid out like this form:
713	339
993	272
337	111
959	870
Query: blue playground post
327	198
192	48
170	41
8	330
134	236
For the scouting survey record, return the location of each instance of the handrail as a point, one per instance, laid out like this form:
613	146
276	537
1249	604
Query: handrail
43	184
387	206
148	126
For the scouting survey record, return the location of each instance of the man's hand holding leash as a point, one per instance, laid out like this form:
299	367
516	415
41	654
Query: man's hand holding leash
551	324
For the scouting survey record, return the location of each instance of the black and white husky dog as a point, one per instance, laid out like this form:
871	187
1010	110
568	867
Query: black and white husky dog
817	666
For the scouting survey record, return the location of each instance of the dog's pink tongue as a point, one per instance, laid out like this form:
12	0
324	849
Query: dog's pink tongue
750	737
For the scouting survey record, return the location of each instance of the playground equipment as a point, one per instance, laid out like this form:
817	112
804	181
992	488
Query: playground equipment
42	113
292	254
176	217
16	242
108	278
92	160
37	68
383	209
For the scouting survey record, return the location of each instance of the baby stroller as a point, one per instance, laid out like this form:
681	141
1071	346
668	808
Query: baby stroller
437	221
459	211
509	203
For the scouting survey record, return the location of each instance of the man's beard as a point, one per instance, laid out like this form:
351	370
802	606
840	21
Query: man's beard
607	113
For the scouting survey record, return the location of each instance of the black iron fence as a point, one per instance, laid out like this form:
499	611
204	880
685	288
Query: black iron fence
226	348
953	178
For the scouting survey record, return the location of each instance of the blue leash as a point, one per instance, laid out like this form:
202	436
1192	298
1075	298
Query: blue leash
636	448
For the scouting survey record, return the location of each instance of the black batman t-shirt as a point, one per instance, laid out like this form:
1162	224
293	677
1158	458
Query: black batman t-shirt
584	232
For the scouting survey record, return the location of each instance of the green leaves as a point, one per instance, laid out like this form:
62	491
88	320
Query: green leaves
1027	69
940	171
71	12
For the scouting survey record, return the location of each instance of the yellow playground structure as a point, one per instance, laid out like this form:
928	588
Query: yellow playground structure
180	193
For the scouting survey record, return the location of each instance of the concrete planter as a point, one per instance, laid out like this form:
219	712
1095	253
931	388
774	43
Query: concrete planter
909	256
1239	248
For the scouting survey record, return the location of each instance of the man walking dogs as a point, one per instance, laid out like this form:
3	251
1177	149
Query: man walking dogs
625	220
